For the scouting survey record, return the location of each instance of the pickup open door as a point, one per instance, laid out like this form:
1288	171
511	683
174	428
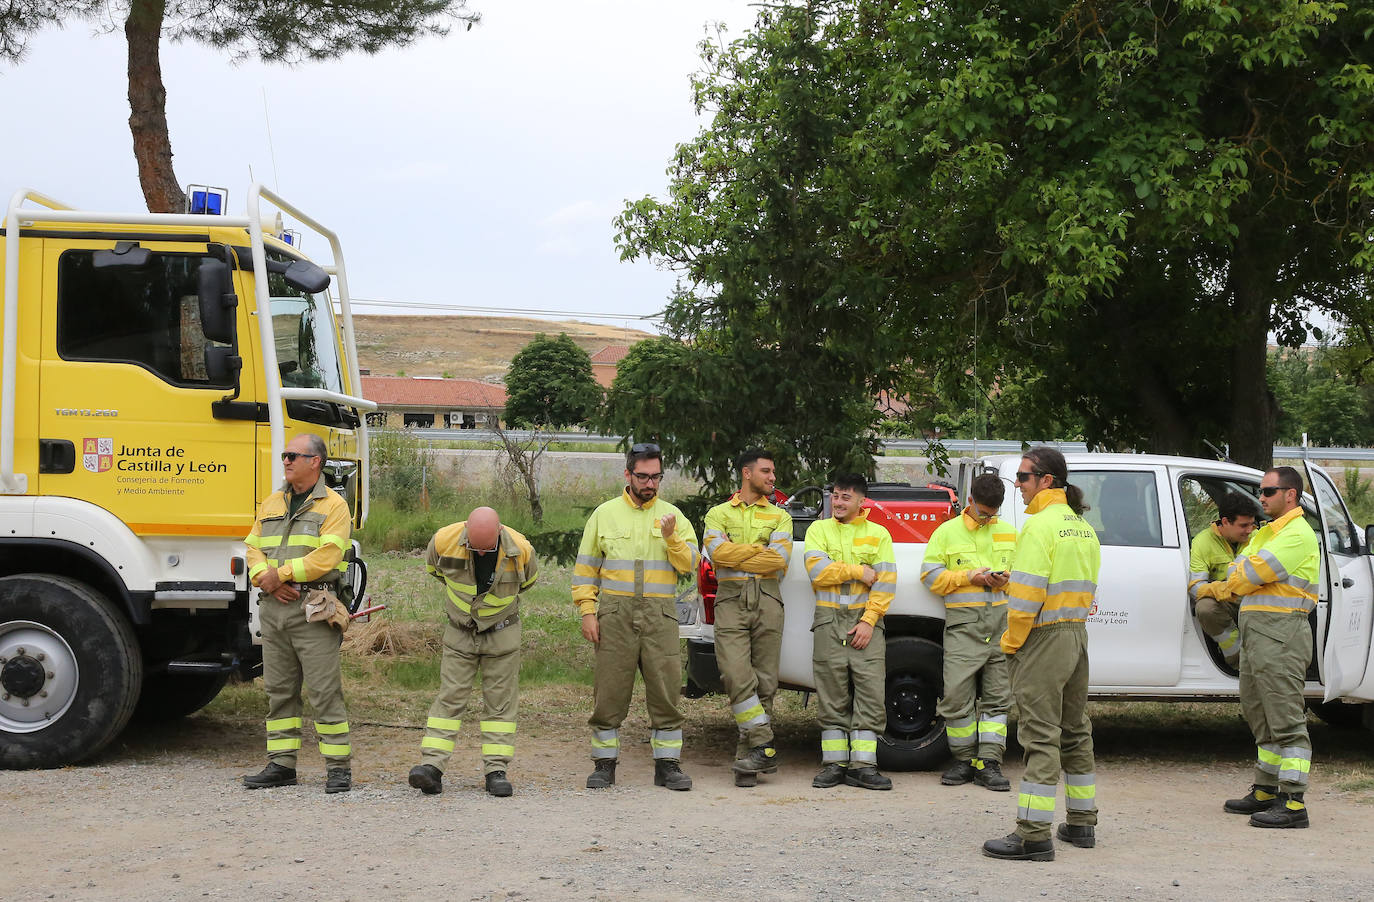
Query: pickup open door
1348	578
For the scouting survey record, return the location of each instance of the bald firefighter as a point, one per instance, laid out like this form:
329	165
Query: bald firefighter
749	541
484	567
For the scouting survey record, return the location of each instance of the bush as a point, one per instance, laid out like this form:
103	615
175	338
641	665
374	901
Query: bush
403	472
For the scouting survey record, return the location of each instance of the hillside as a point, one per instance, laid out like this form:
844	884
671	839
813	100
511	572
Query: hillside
466	347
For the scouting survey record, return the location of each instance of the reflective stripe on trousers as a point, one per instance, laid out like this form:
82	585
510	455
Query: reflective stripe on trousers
863	747
749	713
666	744
1080	792
1036	802
834	746
606	744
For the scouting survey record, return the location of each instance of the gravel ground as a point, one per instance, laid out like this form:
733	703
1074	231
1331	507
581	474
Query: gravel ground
162	817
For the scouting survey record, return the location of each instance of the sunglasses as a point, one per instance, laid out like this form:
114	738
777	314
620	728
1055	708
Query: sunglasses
1023	476
645	448
1268	490
290	456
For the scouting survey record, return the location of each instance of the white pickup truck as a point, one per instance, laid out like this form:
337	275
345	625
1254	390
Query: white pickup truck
1143	641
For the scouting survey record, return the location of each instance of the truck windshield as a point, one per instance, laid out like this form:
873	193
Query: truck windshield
307	353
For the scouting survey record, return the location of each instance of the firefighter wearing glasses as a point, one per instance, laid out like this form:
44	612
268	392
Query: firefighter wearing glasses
484	567
1275	578
1051	590
297	544
634	549
749	541
967	562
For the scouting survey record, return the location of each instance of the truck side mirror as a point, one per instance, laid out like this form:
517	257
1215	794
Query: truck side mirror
217	301
222	365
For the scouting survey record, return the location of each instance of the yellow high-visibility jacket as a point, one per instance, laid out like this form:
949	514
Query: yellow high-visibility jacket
449	559
748	541
1278	568
1209	558
306	548
624	552
960	546
1054	572
835	557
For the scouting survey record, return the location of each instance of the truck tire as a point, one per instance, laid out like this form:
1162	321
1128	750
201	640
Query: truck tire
70	675
915	736
168	696
1339	715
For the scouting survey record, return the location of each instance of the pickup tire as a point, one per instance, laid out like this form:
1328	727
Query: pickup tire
168	696
1339	715
71	671
915	737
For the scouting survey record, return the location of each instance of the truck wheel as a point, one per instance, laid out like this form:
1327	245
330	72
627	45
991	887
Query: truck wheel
1339	715
915	737
167	696
70	671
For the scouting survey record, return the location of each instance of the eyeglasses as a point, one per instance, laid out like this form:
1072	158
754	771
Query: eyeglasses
1022	475
980	516
1268	490
290	456
645	448
648	477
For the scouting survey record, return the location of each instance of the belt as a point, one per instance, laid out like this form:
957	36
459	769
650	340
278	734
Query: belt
495	627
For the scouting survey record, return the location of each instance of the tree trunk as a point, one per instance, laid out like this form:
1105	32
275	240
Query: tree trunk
1254	413
148	109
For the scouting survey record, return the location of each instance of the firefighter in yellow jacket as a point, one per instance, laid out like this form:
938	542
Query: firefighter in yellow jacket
853	574
967	561
749	541
484	567
297	544
1275	577
1049	596
1211	554
634	549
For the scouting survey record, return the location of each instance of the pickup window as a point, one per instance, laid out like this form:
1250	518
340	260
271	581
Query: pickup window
1123	506
1200	495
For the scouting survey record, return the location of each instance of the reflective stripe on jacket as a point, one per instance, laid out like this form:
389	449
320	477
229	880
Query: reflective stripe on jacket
835	557
748	541
449	559
1278	568
624	552
306	548
1054	572
1208	559
960	546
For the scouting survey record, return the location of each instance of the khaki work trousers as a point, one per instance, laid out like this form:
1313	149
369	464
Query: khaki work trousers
1049	677
1276	649
977	692
748	644
296	653
1219	620
638	634
850	688
495	654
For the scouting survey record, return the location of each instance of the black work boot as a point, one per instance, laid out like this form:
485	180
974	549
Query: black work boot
831	775
1013	848
1259	798
604	775
498	785
338	779
867	777
746	780
427	778
761	759
271	775
1082	836
990	776
962	772
1286	812
668	772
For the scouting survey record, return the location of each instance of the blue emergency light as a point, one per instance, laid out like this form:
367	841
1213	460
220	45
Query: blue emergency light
205	200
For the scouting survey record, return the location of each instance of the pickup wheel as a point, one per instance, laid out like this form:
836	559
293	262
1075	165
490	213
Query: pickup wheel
70	671
167	696
915	737
1339	715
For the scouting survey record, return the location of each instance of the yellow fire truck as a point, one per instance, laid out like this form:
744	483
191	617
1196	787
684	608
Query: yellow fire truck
152	367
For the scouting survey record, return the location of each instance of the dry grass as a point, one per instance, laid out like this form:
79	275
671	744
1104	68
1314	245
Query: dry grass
386	636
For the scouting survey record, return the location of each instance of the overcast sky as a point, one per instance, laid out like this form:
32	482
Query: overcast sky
483	169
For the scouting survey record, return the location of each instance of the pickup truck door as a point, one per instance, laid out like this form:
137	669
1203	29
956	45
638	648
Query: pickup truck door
1345	590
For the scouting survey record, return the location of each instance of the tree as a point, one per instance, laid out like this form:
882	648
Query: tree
275	33
1127	196
549	386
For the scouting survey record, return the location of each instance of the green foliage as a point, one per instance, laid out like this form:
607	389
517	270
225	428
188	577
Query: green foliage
1114	202
403	472
1314	395
1358	493
550	385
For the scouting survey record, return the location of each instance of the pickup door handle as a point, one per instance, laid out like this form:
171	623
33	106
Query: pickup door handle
1347	582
